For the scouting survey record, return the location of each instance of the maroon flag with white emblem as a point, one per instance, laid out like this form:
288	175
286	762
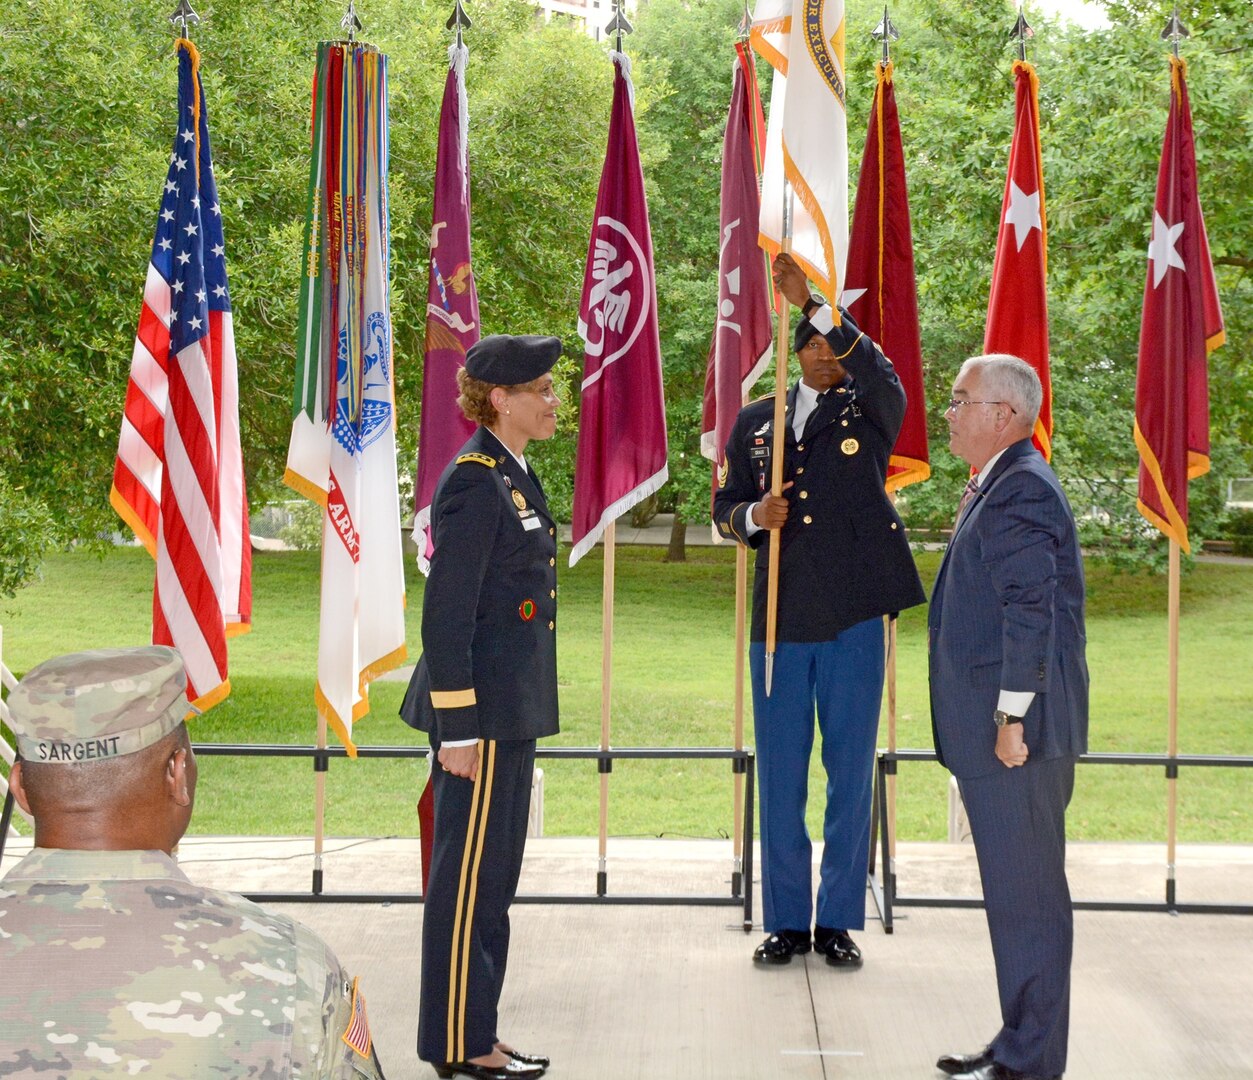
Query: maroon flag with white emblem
742	337
1181	325
622	419
452	305
879	288
1018	317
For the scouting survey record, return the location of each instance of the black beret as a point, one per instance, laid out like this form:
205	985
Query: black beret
804	331
510	360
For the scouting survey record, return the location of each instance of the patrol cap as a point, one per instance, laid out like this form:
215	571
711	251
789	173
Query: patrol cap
510	360
103	703
804	331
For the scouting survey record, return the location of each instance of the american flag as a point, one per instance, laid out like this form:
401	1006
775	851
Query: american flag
178	481
357	1034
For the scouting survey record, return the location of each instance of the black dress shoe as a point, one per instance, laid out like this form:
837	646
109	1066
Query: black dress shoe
960	1063
780	947
994	1070
837	947
538	1060
511	1070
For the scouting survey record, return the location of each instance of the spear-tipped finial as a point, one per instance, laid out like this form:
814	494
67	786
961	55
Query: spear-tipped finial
1174	31
619	24
350	22
886	31
1022	30
746	22
185	16
458	19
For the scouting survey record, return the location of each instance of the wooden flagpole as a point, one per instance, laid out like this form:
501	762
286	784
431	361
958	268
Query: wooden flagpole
1172	717
606	689
776	465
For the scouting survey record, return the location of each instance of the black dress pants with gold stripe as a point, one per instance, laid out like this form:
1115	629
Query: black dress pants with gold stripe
480	834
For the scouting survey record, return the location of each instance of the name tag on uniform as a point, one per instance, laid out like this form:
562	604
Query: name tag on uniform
759	451
531	522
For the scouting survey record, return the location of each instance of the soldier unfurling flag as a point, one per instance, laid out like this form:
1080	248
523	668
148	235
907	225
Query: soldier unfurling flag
740	349
1018	317
179	480
452	304
622	417
807	138
1181	325
879	289
343	441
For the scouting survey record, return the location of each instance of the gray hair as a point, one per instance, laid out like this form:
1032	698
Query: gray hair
1009	379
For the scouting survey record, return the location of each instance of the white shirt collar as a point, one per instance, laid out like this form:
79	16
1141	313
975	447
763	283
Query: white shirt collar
981	475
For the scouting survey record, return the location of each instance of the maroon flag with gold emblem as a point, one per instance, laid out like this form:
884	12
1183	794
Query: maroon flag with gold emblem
879	288
1018	317
1181	325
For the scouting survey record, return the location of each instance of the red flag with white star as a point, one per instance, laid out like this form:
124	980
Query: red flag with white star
1181	325
1018	317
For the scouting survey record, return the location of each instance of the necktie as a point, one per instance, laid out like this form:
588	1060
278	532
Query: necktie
812	417
969	492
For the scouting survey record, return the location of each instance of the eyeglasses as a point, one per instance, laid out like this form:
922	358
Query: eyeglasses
956	403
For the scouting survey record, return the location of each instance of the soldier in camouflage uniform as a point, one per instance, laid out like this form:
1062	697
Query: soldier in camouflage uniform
112	963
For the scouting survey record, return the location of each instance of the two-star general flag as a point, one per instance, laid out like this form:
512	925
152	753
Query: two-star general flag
1181	325
621	455
741	344
879	289
179	480
1018	317
452	304
343	440
807	138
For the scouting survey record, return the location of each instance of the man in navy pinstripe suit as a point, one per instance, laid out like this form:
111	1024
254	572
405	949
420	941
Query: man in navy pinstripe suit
1009	705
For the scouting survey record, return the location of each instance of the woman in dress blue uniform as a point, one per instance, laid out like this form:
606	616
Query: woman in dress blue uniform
484	689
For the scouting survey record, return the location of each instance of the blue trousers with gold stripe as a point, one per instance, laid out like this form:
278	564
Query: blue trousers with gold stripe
480	834
843	680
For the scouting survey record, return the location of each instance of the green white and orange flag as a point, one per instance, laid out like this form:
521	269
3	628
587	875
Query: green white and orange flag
807	134
343	441
1181	325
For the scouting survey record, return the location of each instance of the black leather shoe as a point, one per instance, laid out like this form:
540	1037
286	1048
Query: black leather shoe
994	1070
779	948
512	1070
538	1060
837	947
960	1063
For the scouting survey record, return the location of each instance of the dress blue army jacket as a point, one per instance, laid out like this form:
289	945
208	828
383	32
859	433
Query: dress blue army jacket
843	553
488	668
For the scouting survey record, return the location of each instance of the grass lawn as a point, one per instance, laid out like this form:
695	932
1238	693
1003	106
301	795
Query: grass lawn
673	670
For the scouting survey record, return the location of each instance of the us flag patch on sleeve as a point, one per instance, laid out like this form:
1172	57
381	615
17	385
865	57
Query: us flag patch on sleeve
357	1034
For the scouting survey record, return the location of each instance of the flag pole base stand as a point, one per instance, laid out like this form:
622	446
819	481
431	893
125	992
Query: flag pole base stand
317	883
602	883
769	672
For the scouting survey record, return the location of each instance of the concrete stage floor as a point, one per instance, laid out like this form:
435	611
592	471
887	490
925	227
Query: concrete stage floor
669	993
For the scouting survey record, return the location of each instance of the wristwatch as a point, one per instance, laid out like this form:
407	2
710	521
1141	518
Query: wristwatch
1002	718
811	305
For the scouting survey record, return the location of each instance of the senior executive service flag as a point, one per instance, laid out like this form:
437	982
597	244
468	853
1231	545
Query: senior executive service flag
621	455
1181	325
807	137
452	304
1018	317
343	442
879	289
178	481
741	346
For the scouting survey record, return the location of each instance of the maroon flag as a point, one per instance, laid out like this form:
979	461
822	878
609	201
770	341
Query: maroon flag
1018	316
622	418
879	289
742	337
452	305
1181	325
